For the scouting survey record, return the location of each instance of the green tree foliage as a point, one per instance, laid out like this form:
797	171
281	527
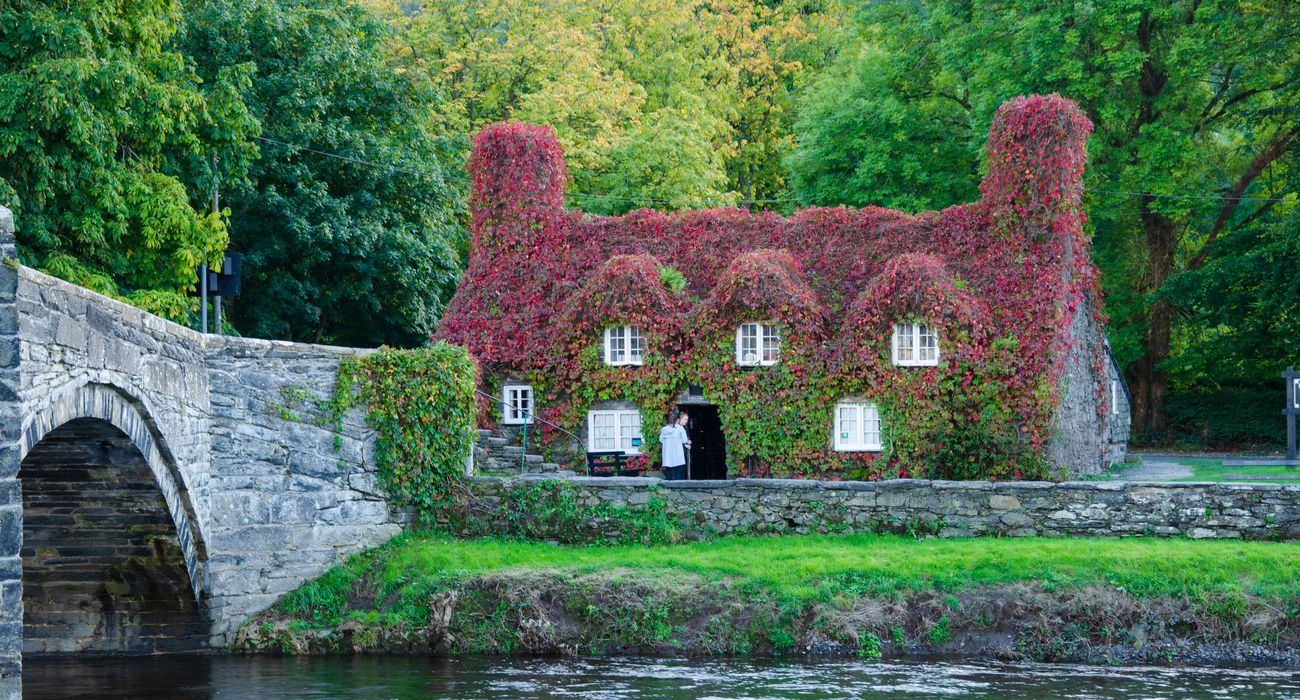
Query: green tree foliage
1242	308
106	136
661	103
358	250
1189	97
867	135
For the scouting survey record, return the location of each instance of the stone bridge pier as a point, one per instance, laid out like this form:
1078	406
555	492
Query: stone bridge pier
159	486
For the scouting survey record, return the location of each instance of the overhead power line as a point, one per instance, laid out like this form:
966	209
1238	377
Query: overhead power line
652	200
1215	197
457	178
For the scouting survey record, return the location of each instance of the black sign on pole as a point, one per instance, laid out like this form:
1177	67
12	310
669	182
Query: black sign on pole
227	281
218	283
1292	409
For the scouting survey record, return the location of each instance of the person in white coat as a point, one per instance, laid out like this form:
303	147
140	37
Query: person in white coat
675	442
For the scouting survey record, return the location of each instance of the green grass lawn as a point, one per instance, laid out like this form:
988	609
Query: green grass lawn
818	566
1213	470
737	594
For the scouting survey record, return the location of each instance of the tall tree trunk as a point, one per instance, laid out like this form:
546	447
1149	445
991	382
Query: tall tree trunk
1152	382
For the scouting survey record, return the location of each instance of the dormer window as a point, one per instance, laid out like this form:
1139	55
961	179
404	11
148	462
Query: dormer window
624	345
517	404
915	345
757	344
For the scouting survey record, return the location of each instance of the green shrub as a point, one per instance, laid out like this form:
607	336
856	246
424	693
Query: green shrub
1223	419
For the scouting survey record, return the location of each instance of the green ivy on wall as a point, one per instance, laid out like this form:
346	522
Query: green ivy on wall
421	404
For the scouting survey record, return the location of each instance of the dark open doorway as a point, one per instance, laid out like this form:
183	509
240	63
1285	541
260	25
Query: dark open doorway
708	445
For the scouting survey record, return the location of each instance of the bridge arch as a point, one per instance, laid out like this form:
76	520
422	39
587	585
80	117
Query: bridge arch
247	502
113	557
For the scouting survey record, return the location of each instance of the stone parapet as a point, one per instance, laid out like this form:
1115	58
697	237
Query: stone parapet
942	508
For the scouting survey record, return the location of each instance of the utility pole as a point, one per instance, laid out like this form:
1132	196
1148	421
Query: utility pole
216	209
1292	409
203	266
203	297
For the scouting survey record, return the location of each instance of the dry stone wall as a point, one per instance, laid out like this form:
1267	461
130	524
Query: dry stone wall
943	508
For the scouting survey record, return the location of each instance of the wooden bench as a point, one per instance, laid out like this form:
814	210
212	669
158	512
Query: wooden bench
612	463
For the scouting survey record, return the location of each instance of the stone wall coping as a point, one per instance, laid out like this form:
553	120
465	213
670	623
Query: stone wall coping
245	347
687	485
122	309
889	484
214	344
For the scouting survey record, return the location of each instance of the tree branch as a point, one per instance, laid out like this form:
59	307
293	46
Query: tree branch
1259	212
1261	161
1223	108
1218	95
959	100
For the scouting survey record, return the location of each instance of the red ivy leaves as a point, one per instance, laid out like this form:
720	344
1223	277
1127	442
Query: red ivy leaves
1001	279
915	286
625	291
764	285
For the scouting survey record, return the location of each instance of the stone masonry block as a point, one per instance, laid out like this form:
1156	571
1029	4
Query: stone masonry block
255	538
11	530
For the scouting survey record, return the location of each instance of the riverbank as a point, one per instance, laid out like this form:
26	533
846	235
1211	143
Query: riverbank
873	596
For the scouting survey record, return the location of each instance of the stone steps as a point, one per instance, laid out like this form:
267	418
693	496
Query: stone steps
500	451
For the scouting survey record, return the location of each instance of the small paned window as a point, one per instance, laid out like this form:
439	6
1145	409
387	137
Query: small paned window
517	405
857	427
915	345
609	431
624	345
757	344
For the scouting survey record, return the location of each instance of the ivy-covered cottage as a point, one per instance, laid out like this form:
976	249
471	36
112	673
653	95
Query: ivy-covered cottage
833	343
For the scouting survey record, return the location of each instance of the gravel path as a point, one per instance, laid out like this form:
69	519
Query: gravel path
1156	468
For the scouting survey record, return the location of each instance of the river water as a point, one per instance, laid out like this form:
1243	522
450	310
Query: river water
384	678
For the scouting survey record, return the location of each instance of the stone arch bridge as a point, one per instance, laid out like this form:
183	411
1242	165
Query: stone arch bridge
159	486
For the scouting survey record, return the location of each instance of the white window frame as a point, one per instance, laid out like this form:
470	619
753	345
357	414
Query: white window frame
859	438
515	397
626	424
766	338
624	346
1114	397
907	339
